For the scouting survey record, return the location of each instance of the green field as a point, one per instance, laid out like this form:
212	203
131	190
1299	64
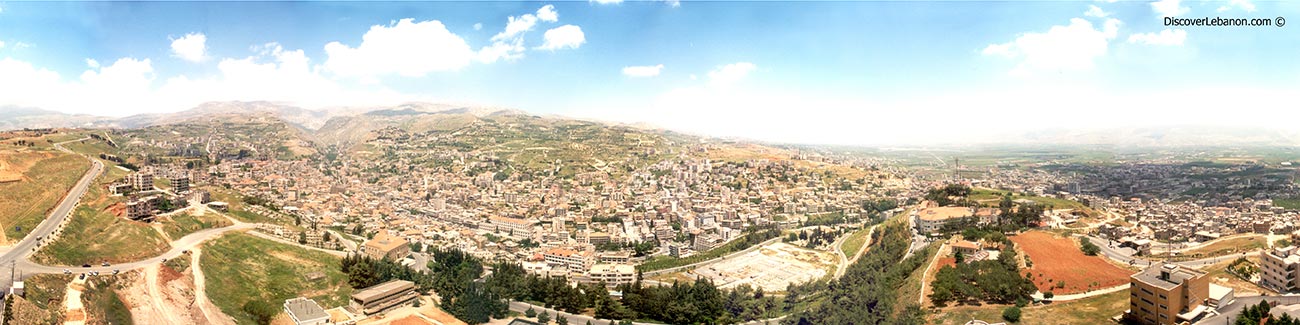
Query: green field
184	224
97	235
23	204
240	268
1288	203
984	194
854	242
1092	310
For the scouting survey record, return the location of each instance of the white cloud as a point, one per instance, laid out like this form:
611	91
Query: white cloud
643	71
607	2
1095	11
192	47
731	73
547	13
2	44
674	3
1073	47
516	26
1004	50
1245	5
500	50
1108	1
1169	8
567	36
405	48
1165	37
478	26
130	86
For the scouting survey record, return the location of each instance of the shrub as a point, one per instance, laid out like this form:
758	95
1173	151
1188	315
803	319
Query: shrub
1011	314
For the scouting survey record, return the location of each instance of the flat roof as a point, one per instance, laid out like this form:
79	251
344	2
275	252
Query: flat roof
1177	275
382	289
944	213
303	308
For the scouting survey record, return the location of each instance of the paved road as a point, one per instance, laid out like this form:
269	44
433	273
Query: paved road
179	247
53	221
1125	255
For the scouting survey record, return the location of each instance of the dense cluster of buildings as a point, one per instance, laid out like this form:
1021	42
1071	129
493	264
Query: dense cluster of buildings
580	225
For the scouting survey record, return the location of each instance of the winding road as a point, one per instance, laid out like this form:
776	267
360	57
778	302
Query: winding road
19	255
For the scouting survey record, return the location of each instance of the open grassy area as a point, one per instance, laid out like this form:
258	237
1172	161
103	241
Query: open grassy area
184	224
95	234
1289	203
855	241
1230	246
990	197
241	268
1092	310
910	291
43	178
103	304
45	290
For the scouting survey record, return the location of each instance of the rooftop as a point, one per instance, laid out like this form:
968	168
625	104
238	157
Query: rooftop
382	289
943	213
1155	275
303	308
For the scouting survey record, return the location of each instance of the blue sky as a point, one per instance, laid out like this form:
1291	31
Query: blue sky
817	72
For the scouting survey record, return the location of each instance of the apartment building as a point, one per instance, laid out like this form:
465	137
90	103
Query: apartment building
1277	269
1167	294
140	181
514	227
574	261
612	274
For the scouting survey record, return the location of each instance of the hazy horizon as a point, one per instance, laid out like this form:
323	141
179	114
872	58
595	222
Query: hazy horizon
807	72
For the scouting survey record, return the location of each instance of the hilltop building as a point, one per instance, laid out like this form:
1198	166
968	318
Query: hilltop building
385	246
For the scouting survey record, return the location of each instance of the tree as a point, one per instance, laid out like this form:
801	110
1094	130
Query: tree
302	237
544	318
1088	247
560	320
260	311
961	258
530	312
1011	314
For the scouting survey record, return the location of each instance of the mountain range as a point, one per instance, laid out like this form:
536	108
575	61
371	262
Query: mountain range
351	123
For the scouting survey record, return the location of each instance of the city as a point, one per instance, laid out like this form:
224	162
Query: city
649	162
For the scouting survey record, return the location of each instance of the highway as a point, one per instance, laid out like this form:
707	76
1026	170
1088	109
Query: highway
54	220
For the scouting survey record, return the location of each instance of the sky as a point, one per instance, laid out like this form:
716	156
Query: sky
842	72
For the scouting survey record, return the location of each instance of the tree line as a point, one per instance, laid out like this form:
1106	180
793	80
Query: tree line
867	293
